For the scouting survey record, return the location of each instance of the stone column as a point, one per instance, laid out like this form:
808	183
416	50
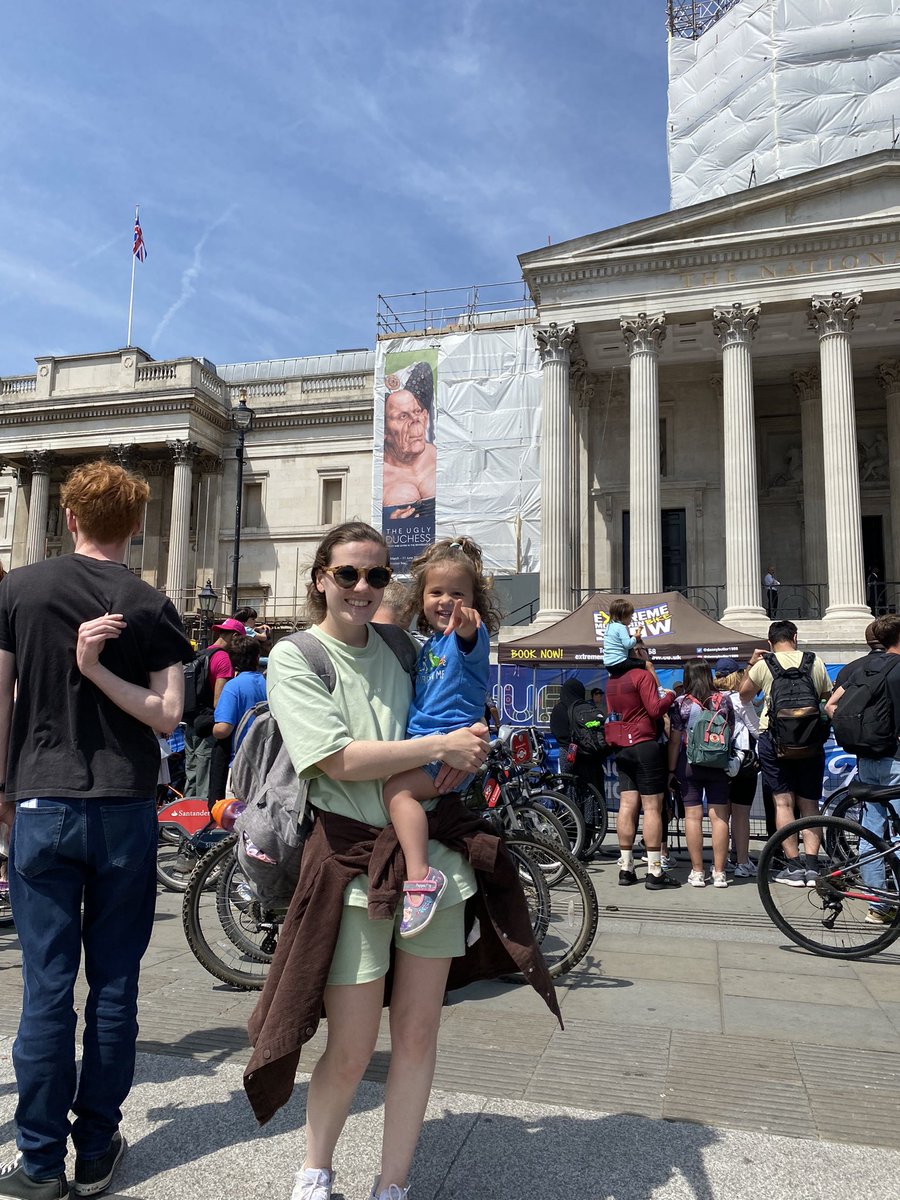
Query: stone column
38	505
832	317
808	388
643	337
735	328
555	347
184	453
889	378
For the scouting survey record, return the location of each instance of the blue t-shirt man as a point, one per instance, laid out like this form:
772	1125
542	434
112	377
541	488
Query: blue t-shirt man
450	684
239	695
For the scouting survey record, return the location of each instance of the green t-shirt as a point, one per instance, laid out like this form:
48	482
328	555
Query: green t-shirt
370	702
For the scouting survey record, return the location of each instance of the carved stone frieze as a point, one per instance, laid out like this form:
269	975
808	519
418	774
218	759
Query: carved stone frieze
807	384
555	344
737	325
833	314
643	334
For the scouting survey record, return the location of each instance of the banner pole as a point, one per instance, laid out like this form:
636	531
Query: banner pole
131	299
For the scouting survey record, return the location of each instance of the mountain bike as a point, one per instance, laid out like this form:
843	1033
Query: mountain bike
835	911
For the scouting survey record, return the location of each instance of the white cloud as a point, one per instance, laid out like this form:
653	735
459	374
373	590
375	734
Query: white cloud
191	274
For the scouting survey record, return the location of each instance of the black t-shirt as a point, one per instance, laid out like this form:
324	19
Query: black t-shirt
847	670
68	738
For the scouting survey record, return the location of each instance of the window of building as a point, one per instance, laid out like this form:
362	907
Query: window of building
252	506
3	500
332	500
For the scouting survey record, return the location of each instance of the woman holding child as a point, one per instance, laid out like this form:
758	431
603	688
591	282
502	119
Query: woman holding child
342	944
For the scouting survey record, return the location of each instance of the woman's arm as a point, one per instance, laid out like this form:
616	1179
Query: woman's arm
463	750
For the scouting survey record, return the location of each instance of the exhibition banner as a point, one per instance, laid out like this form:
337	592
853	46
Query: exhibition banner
464	457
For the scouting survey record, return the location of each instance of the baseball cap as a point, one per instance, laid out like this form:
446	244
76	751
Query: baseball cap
230	625
727	666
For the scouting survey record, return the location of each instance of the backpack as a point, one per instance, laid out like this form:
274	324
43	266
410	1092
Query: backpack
864	720
273	827
709	737
198	695
586	728
796	726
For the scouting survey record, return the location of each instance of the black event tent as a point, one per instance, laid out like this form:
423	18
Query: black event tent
674	631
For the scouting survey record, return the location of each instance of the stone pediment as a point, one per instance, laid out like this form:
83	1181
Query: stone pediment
842	194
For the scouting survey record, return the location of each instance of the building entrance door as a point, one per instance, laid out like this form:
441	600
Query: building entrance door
673	533
873	563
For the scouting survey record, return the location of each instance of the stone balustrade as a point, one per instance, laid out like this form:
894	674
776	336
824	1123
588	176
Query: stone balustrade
18	386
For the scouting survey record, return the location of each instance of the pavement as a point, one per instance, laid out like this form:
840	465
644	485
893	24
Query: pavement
703	1057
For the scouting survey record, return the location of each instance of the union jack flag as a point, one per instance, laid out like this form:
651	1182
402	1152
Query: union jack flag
139	249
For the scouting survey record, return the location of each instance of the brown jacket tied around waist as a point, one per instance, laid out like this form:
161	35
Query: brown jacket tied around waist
337	851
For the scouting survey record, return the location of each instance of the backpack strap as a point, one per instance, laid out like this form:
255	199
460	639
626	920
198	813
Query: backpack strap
256	710
402	645
776	670
316	655
807	662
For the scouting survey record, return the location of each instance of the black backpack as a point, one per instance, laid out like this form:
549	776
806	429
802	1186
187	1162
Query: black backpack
796	725
864	721
586	727
198	694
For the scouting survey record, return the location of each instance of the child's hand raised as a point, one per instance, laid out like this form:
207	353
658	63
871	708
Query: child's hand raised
464	622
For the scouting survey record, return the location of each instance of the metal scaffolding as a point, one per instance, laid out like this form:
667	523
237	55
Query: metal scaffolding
692	18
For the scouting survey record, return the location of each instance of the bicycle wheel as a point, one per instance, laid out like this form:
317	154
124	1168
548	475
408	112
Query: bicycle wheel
841	842
567	814
213	943
535	818
176	858
241	916
569	910
592	806
830	915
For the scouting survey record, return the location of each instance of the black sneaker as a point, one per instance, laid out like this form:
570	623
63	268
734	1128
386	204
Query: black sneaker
94	1175
656	882
627	878
17	1183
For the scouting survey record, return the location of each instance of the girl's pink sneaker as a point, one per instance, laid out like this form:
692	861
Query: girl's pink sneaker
420	899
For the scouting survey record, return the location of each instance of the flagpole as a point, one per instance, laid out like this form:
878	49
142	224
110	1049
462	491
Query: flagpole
133	261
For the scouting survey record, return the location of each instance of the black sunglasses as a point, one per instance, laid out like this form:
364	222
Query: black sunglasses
348	577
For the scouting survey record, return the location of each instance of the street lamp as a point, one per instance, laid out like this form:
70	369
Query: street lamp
206	603
242	422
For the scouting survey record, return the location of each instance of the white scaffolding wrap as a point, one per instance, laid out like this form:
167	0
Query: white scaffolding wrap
783	86
487	434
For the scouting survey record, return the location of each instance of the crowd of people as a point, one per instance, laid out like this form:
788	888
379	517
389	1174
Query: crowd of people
402	891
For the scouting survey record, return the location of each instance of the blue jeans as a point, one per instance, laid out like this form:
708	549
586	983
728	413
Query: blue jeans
82	873
877	772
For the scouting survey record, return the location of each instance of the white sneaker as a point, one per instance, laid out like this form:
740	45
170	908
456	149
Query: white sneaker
697	879
311	1183
719	879
745	870
665	863
392	1192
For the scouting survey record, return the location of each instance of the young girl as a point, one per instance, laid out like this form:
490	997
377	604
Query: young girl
453	602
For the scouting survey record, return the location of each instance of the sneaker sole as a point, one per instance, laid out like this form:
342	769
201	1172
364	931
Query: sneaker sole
791	882
101	1185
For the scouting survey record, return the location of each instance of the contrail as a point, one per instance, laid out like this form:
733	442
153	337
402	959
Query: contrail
191	274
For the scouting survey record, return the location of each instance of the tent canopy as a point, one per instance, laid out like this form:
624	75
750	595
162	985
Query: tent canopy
674	631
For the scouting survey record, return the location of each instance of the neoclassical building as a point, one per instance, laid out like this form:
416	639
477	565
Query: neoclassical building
307	463
721	394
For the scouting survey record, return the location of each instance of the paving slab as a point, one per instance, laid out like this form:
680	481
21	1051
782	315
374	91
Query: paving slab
652	1002
779	985
782	958
800	1021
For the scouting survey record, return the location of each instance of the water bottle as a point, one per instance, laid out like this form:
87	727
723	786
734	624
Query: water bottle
226	812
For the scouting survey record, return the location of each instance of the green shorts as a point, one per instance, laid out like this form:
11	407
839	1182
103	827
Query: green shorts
363	949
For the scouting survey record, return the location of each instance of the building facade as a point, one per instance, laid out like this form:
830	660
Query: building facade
307	464
725	379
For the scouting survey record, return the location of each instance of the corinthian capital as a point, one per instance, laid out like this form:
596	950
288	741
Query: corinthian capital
40	461
833	314
555	344
889	376
125	454
643	334
736	326
807	384
183	451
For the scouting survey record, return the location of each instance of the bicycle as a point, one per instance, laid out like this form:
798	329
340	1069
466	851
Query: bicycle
186	833
586	797
830	914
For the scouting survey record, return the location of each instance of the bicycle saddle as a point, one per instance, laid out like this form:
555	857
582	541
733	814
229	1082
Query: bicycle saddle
865	791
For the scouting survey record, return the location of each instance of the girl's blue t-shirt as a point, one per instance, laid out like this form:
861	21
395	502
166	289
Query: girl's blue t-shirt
616	643
450	684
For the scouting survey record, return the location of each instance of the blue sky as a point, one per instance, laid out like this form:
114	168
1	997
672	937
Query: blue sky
294	159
